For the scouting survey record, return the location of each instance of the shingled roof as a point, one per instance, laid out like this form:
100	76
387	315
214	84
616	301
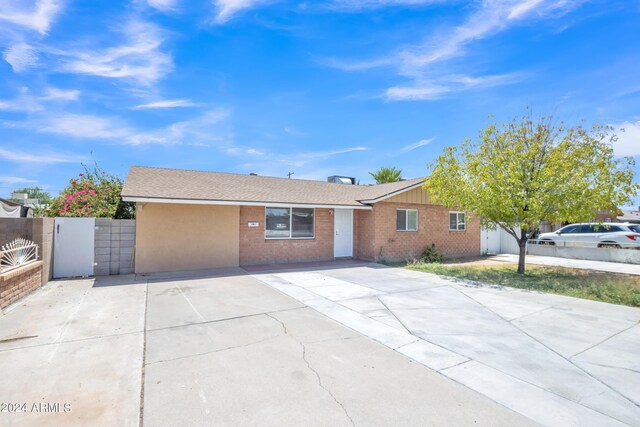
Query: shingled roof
198	186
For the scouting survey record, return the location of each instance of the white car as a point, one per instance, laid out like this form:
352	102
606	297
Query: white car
606	235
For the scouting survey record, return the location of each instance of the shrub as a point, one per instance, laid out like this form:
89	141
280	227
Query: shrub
431	255
94	193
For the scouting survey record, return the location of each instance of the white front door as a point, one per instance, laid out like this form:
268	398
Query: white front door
73	241
343	233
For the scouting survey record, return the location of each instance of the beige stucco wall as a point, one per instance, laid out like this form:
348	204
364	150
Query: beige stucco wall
172	237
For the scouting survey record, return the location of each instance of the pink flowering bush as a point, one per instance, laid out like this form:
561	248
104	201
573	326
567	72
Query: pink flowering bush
93	193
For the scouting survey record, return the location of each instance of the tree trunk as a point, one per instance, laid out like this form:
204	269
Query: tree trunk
523	251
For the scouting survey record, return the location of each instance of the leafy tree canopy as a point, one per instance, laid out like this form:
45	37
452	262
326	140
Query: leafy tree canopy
93	193
384	175
35	193
521	173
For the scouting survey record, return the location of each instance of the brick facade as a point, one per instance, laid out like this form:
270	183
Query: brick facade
375	236
18	283
378	238
364	239
255	249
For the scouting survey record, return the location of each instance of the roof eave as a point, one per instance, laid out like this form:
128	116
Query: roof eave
137	199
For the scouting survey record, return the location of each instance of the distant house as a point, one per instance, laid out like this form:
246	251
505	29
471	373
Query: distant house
195	220
9	209
629	215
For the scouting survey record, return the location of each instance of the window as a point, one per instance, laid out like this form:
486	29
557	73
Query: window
407	220
457	221
289	223
570	229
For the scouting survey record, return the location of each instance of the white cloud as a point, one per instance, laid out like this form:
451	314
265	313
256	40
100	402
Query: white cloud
166	103
296	160
138	58
36	15
491	18
294	132
11	180
201	130
440	86
373	4
524	7
418	144
163	5
416	92
628	143
42	156
21	57
82	126
227	9
417	62
53	93
31	103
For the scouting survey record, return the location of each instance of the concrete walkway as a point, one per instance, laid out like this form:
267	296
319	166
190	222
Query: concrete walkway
212	348
610	267
558	360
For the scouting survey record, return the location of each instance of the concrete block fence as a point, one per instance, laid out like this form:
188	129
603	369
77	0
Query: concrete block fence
114	246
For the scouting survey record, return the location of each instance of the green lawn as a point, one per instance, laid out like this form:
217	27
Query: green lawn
599	286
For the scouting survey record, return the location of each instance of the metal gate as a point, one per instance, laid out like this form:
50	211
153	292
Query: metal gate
498	241
73	247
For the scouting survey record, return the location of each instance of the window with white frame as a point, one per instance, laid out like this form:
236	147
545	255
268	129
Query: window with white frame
289	223
457	221
407	220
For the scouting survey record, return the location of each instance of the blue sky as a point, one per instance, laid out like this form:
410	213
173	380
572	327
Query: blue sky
315	88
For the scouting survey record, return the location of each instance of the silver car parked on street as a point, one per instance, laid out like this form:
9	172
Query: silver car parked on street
606	235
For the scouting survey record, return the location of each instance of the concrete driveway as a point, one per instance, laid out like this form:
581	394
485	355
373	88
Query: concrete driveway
560	361
223	349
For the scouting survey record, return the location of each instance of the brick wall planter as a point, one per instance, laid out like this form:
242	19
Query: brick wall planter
20	282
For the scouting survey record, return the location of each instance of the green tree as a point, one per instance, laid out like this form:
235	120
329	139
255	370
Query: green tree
35	193
526	171
384	175
93	193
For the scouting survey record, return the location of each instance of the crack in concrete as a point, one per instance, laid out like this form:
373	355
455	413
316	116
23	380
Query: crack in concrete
218	350
144	355
224	319
317	375
70	341
64	328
